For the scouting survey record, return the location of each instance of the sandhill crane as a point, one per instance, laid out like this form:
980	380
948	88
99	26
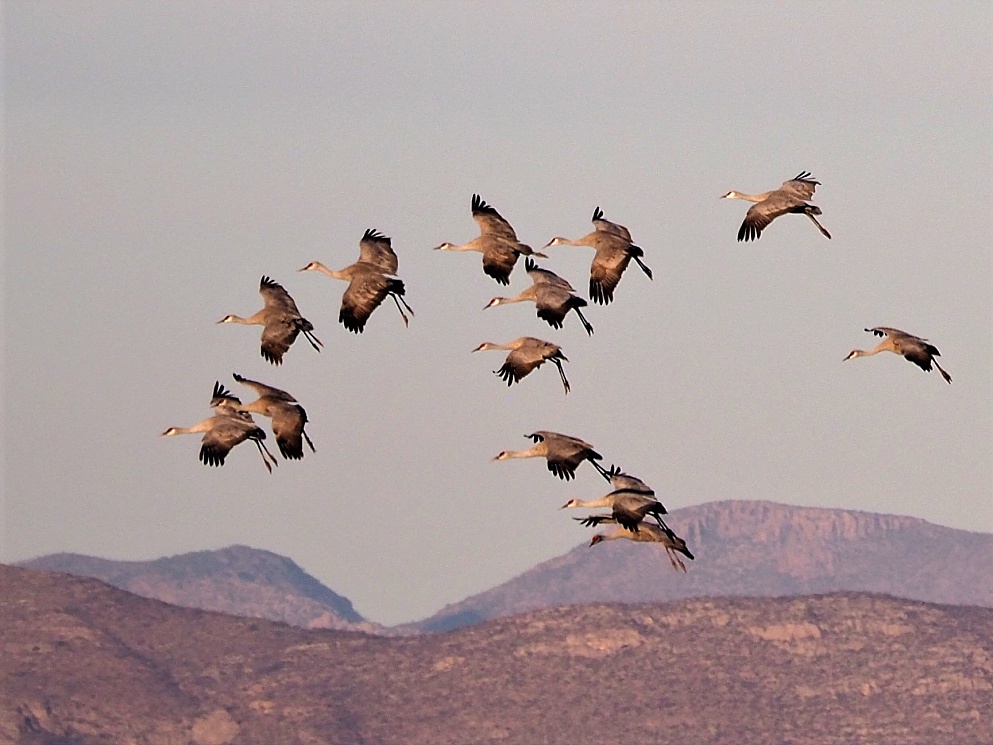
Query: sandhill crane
369	282
288	417
281	319
563	453
614	251
527	353
630	501
792	196
914	348
647	533
497	242
551	297
227	428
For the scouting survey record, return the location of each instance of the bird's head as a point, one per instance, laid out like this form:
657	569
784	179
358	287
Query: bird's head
312	266
731	195
495	301
445	247
485	345
854	353
229	318
596	539
556	241
170	431
502	455
570	503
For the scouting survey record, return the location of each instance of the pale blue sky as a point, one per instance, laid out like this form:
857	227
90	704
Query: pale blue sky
159	158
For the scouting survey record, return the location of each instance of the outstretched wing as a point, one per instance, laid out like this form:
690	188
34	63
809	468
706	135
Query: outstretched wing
609	227
264	390
277	336
226	432
499	258
364	294
803	185
376	249
489	220
275	296
893	333
287	425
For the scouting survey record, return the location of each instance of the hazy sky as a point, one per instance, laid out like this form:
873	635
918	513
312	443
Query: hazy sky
160	157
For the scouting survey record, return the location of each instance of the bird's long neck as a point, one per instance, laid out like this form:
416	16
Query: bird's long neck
885	345
528	294
505	347
258	406
196	428
474	245
538	450
591	503
253	320
750	197
559	241
333	273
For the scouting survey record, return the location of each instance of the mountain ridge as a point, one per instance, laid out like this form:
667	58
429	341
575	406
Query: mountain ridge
743	548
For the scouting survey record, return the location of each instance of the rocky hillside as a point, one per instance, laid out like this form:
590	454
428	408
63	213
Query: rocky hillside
238	580
85	663
753	548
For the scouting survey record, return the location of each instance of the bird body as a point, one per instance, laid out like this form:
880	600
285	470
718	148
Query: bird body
646	533
526	354
497	242
614	251
919	351
628	507
791	197
370	280
631	501
281	320
563	453
288	418
552	299
224	430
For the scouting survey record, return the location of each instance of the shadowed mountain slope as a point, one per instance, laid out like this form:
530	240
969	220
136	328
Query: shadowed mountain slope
85	663
238	580
753	548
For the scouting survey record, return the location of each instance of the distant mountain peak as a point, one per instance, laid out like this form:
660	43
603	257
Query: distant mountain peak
753	548
236	579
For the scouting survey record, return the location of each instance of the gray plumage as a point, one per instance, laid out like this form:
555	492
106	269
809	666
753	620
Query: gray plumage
614	251
526	354
288	418
224	430
563	453
552	296
281	322
370	281
791	197
497	242
919	351
631	501
646	533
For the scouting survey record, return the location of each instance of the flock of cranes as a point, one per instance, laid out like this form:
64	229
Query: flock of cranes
634	510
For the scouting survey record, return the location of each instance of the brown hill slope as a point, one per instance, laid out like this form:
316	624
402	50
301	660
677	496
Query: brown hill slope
753	548
238	580
85	663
